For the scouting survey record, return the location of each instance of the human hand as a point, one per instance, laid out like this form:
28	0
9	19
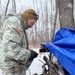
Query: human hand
33	55
43	49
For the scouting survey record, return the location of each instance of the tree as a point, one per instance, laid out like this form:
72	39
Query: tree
0	13
66	13
6	9
13	6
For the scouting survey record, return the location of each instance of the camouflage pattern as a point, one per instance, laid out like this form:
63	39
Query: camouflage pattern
13	51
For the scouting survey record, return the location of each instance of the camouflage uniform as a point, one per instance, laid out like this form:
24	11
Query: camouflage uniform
14	53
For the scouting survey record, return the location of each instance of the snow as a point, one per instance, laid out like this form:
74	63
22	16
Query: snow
1	73
36	66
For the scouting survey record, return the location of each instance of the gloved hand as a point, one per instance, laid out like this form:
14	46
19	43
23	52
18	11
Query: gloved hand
43	49
33	55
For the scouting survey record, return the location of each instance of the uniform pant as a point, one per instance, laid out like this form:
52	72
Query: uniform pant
17	70
11	72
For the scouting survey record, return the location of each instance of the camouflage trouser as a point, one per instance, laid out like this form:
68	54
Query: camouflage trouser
18	70
15	71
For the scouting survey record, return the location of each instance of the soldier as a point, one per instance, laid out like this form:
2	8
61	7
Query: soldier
16	57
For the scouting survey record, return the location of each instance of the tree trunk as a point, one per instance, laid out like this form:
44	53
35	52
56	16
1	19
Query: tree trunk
0	13
13	6
6	8
66	13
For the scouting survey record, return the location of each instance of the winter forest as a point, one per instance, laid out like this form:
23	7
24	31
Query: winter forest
53	15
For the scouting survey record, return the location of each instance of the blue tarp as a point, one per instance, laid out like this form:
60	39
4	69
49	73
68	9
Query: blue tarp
63	48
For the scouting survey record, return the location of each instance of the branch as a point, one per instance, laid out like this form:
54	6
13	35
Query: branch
6	8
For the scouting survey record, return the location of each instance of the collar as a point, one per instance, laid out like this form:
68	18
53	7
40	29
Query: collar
23	23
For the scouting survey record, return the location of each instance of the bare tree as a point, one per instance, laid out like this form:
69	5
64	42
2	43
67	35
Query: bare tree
6	8
54	24
14	6
0	13
42	27
46	21
66	13
36	39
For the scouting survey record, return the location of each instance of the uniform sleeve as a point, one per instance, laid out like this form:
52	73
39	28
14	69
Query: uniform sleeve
11	42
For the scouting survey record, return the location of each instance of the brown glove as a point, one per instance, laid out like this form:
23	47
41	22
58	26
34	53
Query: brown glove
43	49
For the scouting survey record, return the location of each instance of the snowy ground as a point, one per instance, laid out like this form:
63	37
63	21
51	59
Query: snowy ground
36	66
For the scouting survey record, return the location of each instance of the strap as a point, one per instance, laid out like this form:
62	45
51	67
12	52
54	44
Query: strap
18	30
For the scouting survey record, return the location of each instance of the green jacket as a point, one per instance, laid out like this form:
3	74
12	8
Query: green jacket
14	44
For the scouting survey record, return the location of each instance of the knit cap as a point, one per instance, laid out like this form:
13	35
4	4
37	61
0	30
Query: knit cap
29	14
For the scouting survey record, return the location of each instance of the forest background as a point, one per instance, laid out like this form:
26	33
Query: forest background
53	15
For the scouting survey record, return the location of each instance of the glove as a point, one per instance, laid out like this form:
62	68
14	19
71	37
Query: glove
33	55
43	49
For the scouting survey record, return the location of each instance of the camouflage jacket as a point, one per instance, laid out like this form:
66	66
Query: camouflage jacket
14	42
